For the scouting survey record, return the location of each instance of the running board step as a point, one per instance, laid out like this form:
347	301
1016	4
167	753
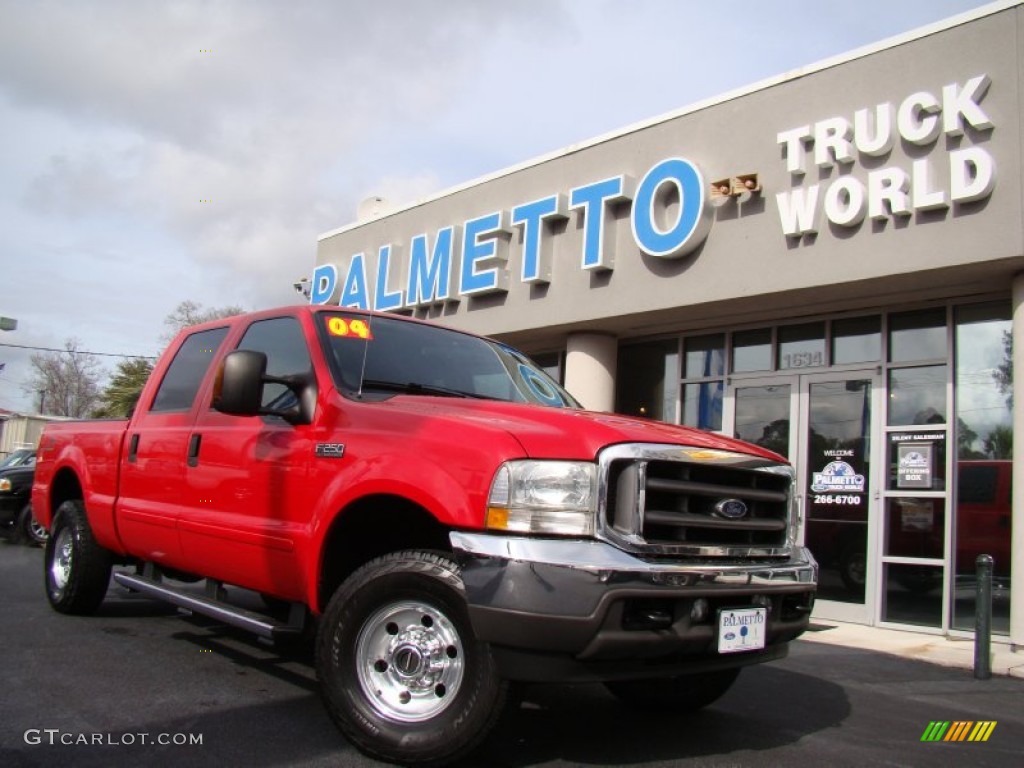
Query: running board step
257	623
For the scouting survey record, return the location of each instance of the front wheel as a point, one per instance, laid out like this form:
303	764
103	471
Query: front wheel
28	530
686	693
77	568
401	672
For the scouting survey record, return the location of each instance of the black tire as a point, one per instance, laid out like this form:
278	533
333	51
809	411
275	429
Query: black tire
19	531
401	673
686	693
77	568
27	530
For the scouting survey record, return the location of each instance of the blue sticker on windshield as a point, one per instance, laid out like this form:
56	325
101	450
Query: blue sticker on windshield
539	386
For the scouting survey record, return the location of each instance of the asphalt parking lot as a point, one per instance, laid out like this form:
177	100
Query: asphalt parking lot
138	684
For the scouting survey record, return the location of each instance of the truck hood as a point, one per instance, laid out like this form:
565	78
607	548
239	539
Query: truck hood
563	433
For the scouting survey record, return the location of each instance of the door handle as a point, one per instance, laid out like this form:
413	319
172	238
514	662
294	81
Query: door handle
133	448
193	450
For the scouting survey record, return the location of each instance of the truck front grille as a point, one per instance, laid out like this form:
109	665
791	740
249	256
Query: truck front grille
688	501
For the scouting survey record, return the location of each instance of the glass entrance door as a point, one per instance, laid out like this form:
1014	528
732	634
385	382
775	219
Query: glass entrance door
825	425
835	478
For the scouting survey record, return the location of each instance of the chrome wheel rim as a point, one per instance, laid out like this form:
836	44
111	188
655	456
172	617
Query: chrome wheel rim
37	531
410	661
60	568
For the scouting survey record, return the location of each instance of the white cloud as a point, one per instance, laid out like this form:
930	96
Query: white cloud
121	116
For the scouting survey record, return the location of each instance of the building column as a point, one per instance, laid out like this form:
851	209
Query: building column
590	369
1017	520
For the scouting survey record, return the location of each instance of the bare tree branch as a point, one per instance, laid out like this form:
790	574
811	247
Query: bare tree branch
67	383
191	313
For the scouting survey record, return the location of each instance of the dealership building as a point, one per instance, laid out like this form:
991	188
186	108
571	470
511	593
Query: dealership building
829	263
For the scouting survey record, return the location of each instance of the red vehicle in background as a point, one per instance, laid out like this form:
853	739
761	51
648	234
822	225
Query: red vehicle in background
984	488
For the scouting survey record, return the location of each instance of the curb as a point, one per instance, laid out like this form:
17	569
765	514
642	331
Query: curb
920	646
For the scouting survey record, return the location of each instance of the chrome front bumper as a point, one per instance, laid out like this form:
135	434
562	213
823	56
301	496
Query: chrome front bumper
576	597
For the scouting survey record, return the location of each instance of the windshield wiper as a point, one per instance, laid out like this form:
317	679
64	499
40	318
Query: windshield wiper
415	388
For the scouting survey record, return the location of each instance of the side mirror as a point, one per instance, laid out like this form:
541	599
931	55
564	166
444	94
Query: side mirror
238	390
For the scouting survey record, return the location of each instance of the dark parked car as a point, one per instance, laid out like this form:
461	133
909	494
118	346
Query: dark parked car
16	517
18	457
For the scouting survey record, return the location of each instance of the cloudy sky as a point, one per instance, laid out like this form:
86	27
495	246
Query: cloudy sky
154	152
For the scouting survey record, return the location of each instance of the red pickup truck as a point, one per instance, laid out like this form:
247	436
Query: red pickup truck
440	510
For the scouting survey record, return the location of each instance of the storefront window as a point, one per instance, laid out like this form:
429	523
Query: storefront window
856	340
762	416
916	527
917	336
917	461
752	351
912	594
917	395
802	346
705	356
651	387
984	441
702	405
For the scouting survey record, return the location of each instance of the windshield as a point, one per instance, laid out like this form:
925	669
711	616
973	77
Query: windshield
380	356
21	457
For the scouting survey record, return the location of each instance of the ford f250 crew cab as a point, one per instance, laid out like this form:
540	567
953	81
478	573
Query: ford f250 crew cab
445	515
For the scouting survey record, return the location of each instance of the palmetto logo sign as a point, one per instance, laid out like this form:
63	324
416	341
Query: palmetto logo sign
837	477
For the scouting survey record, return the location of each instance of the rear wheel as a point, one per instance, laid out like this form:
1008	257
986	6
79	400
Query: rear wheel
402	675
77	568
686	693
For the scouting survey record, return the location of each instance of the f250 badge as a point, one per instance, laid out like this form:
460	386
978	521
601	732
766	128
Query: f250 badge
329	450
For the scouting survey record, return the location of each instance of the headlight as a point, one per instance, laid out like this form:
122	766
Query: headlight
549	497
5	484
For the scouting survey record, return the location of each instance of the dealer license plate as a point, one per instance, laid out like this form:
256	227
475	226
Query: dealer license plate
741	629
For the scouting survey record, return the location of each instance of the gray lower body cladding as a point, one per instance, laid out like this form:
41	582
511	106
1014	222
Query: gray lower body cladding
556	609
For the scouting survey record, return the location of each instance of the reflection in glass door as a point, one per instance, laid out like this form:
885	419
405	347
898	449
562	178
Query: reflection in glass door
835	480
763	413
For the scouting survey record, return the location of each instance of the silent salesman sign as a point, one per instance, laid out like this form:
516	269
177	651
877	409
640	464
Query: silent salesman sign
670	213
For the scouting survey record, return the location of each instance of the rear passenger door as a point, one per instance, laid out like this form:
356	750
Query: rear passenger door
246	501
155	450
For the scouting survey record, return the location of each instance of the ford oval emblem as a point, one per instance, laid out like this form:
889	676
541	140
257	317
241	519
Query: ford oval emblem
732	509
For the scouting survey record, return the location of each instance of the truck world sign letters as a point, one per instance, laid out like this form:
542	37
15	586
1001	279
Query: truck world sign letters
920	119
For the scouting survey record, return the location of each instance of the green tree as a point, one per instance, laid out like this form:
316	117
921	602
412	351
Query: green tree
1003	374
67	382
999	443
122	391
965	438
